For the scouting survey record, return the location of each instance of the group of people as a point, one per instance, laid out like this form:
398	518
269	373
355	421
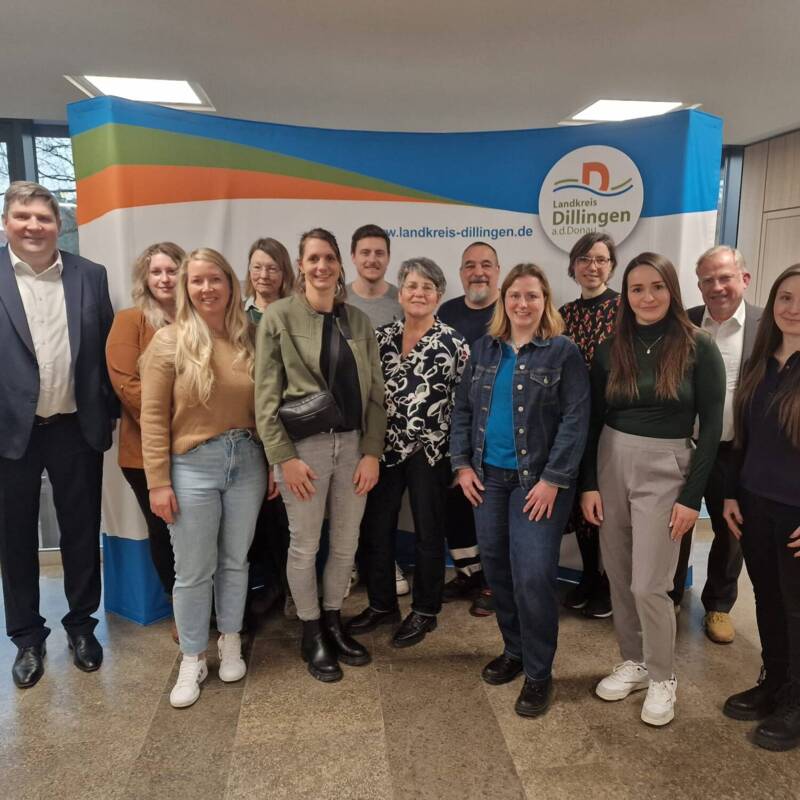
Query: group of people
246	420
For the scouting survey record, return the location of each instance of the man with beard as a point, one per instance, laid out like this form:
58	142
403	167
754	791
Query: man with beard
470	315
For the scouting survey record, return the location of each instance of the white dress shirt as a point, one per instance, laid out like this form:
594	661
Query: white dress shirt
729	336
43	299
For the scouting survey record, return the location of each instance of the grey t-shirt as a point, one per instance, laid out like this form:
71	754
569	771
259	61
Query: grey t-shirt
380	310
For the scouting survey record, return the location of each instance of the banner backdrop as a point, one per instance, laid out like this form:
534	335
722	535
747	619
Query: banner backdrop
147	173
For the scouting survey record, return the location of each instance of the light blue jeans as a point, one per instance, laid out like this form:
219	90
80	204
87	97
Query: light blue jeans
220	486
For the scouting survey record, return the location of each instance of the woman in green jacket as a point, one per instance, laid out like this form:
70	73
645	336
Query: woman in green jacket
302	342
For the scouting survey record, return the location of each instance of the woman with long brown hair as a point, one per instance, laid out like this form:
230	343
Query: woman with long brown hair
643	480
762	509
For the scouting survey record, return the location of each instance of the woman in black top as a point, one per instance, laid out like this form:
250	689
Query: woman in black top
589	321
643	478
763	510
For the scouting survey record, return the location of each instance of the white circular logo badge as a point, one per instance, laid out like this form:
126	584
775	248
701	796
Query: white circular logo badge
595	188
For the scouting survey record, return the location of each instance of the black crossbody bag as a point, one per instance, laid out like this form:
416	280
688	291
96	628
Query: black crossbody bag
317	412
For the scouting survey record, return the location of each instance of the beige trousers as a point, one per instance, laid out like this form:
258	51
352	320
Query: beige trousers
639	478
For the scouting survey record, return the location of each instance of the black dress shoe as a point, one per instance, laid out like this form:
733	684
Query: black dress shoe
319	653
348	649
28	665
413	629
87	652
781	730
462	586
501	670
535	698
369	619
756	703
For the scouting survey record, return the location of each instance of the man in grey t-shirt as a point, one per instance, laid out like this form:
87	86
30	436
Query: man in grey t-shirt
370	292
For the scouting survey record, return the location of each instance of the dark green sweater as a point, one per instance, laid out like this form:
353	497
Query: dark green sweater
701	395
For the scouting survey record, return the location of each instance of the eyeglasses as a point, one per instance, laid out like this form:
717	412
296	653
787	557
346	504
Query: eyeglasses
425	288
258	269
585	261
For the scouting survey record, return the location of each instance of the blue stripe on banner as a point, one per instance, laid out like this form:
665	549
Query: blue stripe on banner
131	587
678	154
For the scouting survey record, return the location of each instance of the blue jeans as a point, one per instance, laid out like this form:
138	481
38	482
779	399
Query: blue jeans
219	485
520	560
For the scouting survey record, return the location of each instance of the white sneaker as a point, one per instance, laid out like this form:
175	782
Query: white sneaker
659	705
193	671
400	581
231	664
630	676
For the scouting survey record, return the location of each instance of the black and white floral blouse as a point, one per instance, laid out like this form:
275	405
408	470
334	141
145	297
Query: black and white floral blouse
420	389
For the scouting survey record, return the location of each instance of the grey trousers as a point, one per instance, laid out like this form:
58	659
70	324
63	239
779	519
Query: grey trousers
639	479
333	457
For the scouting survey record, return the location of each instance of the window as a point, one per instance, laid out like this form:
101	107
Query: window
55	170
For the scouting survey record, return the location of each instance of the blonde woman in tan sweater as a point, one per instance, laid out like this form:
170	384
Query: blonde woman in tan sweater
205	467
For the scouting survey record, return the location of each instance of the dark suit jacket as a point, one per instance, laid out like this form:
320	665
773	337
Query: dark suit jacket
752	316
89	318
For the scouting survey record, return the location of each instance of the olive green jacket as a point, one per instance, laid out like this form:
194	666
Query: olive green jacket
288	344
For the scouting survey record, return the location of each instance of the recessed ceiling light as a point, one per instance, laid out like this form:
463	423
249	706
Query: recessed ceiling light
174	93
618	110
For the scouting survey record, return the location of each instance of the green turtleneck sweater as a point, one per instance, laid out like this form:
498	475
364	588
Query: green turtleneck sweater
701	396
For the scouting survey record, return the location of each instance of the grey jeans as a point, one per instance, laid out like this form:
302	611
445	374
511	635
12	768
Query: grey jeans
334	458
639	479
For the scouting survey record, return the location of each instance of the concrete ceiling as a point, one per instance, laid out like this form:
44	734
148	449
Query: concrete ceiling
446	65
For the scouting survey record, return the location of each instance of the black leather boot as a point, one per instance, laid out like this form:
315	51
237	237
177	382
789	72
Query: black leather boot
319	653
781	730
347	648
756	703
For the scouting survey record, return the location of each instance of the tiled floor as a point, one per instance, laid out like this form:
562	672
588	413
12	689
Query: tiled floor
416	723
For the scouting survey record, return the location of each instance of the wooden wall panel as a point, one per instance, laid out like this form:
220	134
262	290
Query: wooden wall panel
783	173
751	204
780	238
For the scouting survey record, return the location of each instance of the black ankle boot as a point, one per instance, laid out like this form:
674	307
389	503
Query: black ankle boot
347	648
781	730
319	653
756	703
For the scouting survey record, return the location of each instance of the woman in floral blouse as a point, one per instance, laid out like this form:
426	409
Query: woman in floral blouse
588	321
422	361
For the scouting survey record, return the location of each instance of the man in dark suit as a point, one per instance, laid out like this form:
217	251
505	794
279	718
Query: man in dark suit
56	412
723	278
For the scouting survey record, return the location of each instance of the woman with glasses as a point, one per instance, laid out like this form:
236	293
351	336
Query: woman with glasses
422	361
269	276
589	321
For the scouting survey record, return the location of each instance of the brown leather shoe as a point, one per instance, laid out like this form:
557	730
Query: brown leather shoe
719	627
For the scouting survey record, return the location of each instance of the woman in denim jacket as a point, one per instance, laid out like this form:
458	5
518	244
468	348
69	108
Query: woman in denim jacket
518	432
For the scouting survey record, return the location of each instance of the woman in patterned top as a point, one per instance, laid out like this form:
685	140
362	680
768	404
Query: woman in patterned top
588	321
422	361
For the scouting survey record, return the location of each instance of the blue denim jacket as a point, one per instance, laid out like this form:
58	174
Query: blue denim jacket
550	406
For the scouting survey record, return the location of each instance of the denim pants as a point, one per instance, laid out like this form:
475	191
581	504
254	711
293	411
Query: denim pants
427	486
520	560
219	485
334	458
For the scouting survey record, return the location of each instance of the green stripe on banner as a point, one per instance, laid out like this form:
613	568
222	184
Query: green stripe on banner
113	144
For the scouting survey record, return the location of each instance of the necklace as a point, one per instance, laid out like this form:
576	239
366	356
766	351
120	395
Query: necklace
516	347
649	347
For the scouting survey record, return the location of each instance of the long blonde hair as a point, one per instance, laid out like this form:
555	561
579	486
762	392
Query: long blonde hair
550	324
140	292
194	342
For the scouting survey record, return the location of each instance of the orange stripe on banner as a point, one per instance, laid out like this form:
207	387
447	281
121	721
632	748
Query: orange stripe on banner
128	186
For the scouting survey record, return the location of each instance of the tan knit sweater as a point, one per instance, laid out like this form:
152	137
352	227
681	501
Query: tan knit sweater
170	424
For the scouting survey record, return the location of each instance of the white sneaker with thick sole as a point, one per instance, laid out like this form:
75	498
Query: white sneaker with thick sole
193	671
231	664
659	705
401	581
630	676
